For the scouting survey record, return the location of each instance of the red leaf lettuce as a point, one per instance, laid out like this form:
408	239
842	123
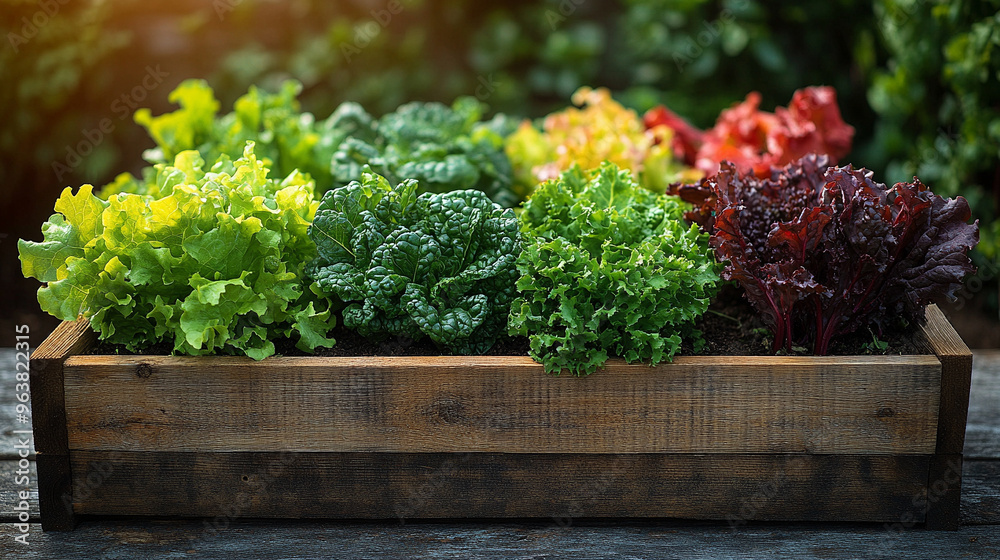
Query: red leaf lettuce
755	140
823	251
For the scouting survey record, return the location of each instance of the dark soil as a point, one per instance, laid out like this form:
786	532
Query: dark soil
350	343
731	328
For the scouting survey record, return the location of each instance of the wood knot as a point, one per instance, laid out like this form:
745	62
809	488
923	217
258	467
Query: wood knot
885	412
143	370
448	410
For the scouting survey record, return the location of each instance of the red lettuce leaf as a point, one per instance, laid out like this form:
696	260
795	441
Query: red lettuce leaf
686	140
823	251
756	141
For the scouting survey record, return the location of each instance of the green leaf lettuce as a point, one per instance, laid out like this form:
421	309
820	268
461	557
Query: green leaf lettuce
608	268
209	261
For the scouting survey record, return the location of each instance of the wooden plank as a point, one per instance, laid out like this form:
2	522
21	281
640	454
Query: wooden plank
47	399
981	493
956	377
982	437
944	484
49	419
943	492
55	491
868	404
10	491
117	539
736	488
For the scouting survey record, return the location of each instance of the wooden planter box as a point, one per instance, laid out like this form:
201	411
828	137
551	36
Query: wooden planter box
858	438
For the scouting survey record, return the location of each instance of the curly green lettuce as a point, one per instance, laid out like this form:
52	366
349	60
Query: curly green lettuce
210	261
435	265
608	268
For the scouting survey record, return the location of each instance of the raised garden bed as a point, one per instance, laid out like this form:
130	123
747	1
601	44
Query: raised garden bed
813	438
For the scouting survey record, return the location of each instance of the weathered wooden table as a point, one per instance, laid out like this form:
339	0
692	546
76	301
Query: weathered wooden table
979	536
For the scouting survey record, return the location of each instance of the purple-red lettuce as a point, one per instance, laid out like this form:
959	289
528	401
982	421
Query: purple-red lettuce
823	251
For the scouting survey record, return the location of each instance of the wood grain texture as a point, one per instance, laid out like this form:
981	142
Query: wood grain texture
48	415
979	538
870	404
537	540
943	492
55	492
736	488
47	398
944	483
956	377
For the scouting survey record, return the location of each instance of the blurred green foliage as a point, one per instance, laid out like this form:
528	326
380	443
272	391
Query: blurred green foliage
54	57
917	78
937	101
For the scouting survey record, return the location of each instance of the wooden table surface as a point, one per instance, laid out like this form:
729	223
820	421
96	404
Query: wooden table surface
109	539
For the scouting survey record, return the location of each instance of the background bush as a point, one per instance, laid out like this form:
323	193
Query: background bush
917	78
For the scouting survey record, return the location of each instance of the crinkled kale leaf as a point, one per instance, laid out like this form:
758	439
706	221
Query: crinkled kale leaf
439	265
443	148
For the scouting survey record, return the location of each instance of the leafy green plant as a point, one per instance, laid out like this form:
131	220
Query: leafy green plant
608	268
876	346
286	138
443	148
936	101
440	266
595	130
211	261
